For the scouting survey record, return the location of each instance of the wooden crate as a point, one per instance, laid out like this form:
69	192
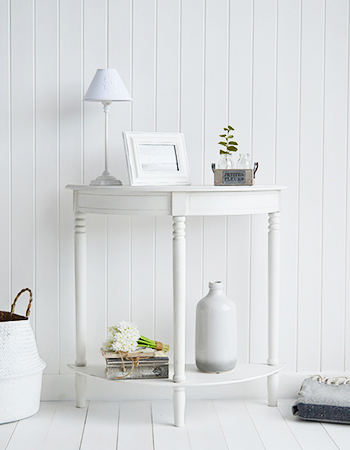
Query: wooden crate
233	177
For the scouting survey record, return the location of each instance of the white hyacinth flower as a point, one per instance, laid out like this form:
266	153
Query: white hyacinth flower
122	337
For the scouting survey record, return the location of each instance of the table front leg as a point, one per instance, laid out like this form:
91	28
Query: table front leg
80	305
179	295
273	297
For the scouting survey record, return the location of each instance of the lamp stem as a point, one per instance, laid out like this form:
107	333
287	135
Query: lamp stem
106	106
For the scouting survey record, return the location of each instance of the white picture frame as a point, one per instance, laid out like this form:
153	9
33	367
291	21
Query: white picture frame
155	159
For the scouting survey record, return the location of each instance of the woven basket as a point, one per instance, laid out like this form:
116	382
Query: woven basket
21	368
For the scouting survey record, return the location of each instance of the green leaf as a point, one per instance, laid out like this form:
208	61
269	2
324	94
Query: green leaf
224	152
232	148
222	143
230	128
233	143
226	129
222	135
230	137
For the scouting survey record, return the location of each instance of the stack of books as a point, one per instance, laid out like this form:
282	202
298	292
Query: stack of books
143	363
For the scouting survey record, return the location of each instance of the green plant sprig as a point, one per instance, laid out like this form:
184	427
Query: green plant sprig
145	342
230	146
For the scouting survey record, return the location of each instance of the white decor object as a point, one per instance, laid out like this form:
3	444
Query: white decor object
21	368
180	202
156	158
216	331
107	87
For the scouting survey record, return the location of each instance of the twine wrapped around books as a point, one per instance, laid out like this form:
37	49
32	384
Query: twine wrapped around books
134	362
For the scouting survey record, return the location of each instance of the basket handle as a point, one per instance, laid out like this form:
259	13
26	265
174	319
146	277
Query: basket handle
29	304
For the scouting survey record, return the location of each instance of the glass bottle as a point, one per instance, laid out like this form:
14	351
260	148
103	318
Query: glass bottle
225	162
244	161
216	331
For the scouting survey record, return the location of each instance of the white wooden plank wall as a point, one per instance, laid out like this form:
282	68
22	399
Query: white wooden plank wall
278	72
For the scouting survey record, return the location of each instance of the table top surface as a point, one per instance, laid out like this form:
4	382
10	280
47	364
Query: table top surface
187	188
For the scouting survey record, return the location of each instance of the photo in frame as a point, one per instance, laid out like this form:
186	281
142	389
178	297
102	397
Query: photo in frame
155	159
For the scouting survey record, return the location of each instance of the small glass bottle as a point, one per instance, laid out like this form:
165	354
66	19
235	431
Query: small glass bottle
244	161
225	162
216	331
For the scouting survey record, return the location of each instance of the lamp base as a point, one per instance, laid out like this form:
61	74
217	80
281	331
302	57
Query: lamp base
106	179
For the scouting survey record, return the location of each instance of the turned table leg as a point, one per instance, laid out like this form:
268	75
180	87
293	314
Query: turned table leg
80	305
273	298
179	282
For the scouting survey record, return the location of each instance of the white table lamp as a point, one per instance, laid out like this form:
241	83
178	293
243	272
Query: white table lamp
107	87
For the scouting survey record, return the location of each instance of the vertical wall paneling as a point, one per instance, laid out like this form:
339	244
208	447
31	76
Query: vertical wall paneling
310	185
142	274
167	66
287	167
144	65
214	250
5	142
23	142
70	167
168	39
119	227
347	261
216	77
163	305
144	116
119	272
334	185
238	279
194	288
239	117
46	180
216	112
192	125
95	57
120	58
192	85
263	151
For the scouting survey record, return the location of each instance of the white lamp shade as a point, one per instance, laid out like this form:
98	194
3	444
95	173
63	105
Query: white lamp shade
107	86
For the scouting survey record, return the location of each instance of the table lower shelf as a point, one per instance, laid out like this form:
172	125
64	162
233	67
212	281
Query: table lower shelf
240	374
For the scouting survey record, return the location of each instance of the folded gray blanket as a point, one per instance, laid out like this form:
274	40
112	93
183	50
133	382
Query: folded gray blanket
324	400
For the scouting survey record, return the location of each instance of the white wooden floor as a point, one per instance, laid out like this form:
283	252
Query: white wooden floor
142	425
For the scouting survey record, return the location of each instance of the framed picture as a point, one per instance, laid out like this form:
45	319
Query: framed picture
156	158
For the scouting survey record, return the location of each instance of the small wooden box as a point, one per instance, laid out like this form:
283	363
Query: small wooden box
233	177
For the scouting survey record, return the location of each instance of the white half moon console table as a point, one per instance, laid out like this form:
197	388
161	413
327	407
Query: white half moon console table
179	202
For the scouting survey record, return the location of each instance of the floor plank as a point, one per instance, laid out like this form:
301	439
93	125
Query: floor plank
135	426
166	435
310	435
101	427
203	426
69	419
31	433
237	425
271	426
339	433
6	431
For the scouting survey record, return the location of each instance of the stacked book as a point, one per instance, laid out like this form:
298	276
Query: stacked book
144	363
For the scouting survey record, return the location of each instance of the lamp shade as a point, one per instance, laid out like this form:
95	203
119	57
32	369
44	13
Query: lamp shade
107	86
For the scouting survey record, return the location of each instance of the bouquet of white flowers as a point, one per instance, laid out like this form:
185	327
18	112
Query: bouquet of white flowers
122	337
125	337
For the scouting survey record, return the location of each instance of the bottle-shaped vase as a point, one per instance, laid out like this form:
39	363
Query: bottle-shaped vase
216	331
